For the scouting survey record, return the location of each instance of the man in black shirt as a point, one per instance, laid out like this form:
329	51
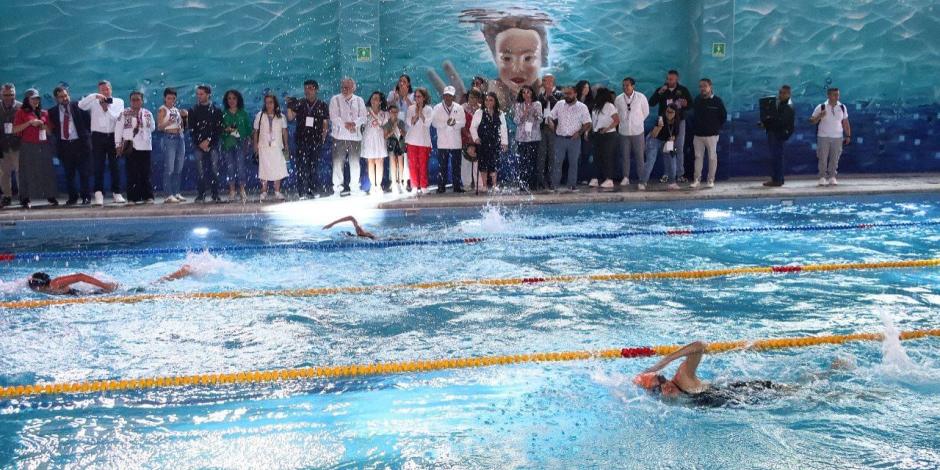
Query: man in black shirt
548	96
205	120
673	93
777	117
710	115
313	124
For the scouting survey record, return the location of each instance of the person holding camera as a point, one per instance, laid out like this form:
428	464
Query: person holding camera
674	94
664	137
778	122
313	125
832	132
37	178
105	111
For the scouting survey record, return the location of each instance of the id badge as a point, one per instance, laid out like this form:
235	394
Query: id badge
42	135
670	146
309	121
236	135
528	127
8	128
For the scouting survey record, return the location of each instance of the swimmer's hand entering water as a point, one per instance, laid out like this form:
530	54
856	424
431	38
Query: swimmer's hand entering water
360	232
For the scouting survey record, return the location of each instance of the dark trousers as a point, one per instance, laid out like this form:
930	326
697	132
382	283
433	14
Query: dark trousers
103	152
585	169
137	167
73	154
605	146
528	154
207	168
307	165
545	158
775	147
450	157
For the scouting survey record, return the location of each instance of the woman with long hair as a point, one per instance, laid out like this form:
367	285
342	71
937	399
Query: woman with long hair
585	171
373	141
418	139
491	136
402	96
604	119
236	143
270	139
527	113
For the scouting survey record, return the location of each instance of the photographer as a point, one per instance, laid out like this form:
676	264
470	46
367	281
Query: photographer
778	122
105	111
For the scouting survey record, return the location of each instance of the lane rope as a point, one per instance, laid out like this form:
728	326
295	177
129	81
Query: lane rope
351	245
389	368
491	282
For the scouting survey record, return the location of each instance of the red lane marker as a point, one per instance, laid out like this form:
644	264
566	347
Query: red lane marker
679	232
7	256
787	269
644	351
864	226
470	241
533	280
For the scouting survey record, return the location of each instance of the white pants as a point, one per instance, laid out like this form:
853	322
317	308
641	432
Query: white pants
468	171
700	144
342	149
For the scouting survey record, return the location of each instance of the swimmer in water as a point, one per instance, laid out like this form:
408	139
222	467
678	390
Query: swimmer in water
686	384
360	232
62	285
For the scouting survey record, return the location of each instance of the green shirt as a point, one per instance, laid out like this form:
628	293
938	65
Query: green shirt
242	124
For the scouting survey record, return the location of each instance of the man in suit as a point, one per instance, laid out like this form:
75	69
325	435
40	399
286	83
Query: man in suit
777	118
72	129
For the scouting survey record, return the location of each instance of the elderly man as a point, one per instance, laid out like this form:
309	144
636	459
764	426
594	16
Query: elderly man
347	115
449	119
9	143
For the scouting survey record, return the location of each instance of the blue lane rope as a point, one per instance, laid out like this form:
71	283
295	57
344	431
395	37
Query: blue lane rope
352	245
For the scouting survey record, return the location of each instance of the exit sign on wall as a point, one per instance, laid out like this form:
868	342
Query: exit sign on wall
718	49
364	54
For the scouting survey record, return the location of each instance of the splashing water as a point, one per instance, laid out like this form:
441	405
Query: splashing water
894	356
493	220
203	263
12	286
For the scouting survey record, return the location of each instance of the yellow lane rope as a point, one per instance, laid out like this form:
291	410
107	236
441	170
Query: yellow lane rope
356	370
492	282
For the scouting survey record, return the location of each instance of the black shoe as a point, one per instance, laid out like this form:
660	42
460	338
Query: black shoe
71	201
86	201
5	201
216	199
25	204
408	186
773	184
200	199
53	201
459	189
441	190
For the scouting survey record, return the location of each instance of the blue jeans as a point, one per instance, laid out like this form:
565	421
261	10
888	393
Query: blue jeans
208	177
566	147
236	159
174	154
671	160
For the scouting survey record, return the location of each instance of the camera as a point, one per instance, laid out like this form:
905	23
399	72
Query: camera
110	100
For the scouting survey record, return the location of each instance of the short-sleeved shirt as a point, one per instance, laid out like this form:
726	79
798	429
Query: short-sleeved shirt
570	117
604	117
831	123
269	129
309	118
31	134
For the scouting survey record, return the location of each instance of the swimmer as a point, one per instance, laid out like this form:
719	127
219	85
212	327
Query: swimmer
62	285
360	232
686	384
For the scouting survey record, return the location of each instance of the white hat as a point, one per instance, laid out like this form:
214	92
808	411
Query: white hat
450	91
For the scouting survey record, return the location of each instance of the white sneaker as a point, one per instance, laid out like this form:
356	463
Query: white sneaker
833	182
641	187
99	198
278	196
179	197
118	199
694	184
170	200
625	182
264	196
607	184
710	184
593	183
823	182
673	187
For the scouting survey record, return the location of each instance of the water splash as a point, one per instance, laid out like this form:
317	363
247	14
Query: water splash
204	263
13	286
894	357
493	220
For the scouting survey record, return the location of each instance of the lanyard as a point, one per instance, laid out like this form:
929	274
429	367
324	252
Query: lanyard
270	129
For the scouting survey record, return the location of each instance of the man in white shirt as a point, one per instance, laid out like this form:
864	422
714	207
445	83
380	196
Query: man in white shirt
9	143
449	119
832	132
569	120
633	108
105	111
347	115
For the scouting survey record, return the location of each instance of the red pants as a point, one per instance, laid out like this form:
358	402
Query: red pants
418	165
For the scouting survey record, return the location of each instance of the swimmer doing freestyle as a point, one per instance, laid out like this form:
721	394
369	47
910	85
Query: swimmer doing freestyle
62	285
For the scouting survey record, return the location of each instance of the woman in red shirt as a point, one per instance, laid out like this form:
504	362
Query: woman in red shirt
37	179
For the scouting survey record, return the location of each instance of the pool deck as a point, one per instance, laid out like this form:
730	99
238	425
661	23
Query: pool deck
796	187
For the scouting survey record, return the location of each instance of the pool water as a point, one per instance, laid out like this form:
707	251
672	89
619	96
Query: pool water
879	412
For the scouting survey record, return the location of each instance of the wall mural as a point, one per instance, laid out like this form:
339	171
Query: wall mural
883	54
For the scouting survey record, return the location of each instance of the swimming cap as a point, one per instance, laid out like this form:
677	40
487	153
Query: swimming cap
649	380
38	280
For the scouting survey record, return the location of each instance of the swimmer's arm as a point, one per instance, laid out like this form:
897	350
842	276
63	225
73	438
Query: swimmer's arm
348	218
360	232
692	351
180	273
63	283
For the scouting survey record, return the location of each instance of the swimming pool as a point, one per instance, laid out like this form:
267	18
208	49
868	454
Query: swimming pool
583	414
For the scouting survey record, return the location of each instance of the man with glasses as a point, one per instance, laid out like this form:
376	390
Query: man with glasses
71	131
9	143
105	111
633	108
347	115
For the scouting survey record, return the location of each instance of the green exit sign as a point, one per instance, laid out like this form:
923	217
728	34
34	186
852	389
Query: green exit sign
718	49
364	54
